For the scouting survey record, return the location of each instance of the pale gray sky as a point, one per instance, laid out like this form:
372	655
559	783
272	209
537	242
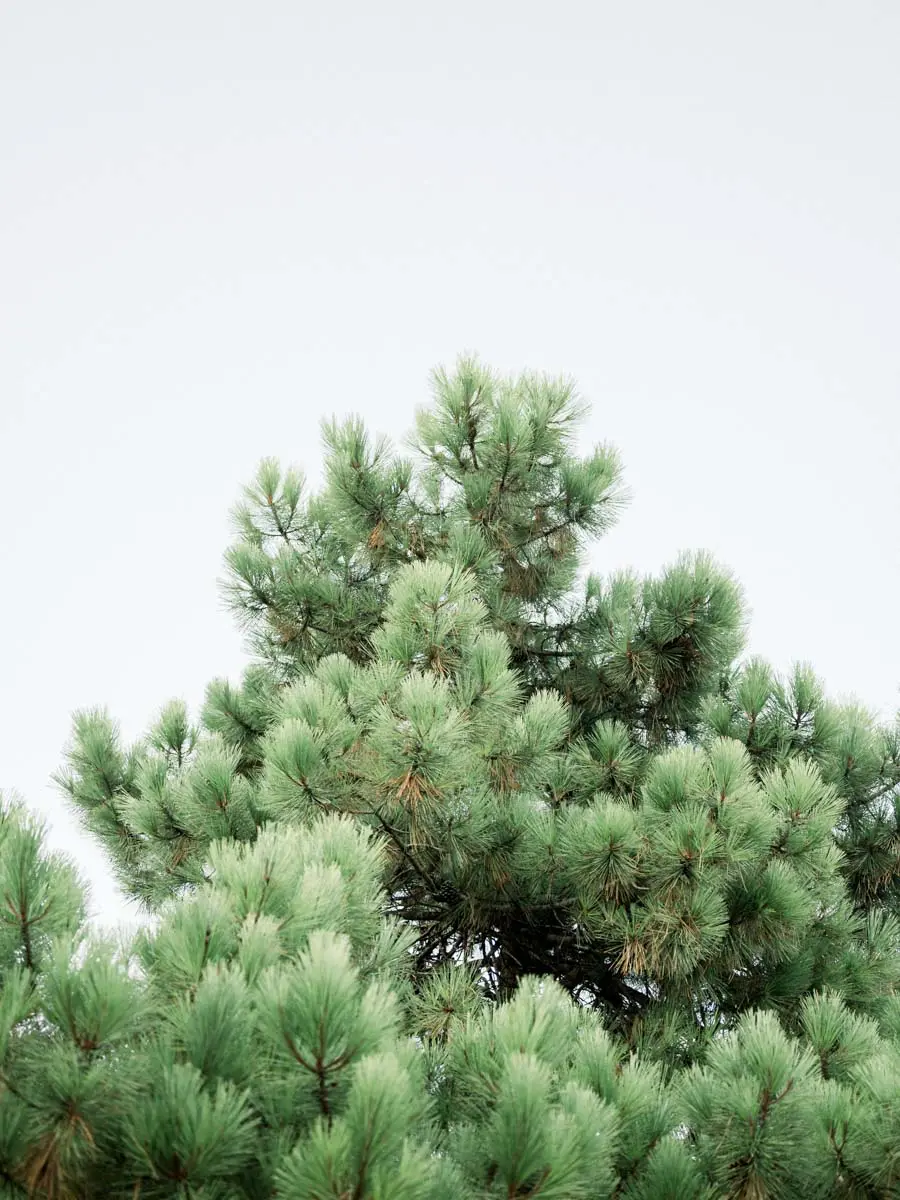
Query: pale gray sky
220	221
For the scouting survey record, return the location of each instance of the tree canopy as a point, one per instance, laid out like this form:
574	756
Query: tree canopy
491	877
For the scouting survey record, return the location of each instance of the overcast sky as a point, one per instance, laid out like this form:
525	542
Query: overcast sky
220	222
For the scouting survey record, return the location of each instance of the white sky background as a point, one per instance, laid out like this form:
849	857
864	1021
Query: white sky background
220	222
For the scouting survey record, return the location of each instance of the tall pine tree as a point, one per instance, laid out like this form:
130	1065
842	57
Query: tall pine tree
490	878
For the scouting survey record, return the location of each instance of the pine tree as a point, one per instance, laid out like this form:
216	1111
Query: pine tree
490	878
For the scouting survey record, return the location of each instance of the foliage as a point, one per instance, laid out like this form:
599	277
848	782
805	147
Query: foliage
491	877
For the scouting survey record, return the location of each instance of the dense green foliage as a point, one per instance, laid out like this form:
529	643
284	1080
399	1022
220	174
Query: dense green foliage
490	878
